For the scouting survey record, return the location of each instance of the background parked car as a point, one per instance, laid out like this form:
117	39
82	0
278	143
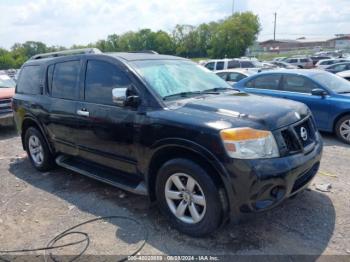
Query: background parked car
327	95
344	74
336	68
282	64
301	62
322	64
316	58
222	64
233	76
7	90
281	58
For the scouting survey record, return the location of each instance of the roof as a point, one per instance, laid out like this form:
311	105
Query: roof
122	55
246	71
143	56
304	72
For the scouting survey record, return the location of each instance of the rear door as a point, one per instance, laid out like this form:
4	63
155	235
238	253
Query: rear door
298	88
107	130
63	80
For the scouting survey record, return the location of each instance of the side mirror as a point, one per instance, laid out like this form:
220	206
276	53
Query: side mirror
125	97
319	92
119	96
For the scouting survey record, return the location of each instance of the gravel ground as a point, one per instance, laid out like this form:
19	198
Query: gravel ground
34	207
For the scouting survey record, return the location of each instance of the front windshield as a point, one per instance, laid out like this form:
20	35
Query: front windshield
171	77
333	82
6	82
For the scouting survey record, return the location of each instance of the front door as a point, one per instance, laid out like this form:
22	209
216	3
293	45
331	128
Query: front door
299	88
107	130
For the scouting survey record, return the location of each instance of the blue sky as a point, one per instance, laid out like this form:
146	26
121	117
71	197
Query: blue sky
67	22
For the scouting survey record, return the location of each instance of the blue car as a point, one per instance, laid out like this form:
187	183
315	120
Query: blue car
327	95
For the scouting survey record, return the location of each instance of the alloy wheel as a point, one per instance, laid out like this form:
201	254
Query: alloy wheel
185	198
345	130
36	150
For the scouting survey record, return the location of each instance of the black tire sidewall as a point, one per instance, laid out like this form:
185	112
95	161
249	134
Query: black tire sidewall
213	215
337	128
48	161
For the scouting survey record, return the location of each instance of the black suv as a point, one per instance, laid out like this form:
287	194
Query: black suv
168	128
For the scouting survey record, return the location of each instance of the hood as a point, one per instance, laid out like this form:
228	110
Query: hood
7	92
245	110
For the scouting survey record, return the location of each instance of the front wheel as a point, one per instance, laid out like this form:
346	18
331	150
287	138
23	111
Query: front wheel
188	197
342	129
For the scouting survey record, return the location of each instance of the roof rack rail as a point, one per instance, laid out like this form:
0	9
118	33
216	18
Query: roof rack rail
145	52
66	53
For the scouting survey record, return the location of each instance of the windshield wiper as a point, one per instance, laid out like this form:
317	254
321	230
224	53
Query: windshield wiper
183	94
218	89
214	91
344	92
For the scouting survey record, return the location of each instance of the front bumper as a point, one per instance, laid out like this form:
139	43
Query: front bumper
6	119
259	185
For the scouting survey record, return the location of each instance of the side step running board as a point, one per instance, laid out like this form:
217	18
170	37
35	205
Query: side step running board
103	174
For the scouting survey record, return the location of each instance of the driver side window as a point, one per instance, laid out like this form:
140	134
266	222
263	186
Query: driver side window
101	78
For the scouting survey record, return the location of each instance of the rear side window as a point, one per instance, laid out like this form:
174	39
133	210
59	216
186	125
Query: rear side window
223	75
65	80
29	81
266	82
219	65
233	64
235	77
101	78
49	77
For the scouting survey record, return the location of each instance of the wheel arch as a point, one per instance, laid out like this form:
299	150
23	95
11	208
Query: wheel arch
32	122
173	148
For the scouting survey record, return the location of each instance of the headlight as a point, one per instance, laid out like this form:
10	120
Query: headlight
248	143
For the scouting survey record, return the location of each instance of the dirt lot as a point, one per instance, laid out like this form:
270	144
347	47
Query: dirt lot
34	207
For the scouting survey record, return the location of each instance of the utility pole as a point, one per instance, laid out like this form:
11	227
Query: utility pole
233	7
274	30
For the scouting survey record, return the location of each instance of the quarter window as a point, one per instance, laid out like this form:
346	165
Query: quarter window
210	66
29	81
65	80
101	78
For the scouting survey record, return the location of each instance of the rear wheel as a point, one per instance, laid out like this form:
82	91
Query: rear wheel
188	197
342	129
38	150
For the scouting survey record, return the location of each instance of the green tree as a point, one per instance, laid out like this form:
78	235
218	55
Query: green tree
233	35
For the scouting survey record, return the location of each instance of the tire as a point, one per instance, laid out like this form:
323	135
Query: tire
37	149
210	213
341	128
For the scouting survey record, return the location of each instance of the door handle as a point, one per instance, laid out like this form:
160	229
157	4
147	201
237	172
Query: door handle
83	113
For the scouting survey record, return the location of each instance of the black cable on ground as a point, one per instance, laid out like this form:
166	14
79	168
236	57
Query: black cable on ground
51	244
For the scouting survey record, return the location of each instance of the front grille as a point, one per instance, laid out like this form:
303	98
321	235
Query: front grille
298	137
5	106
305	133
